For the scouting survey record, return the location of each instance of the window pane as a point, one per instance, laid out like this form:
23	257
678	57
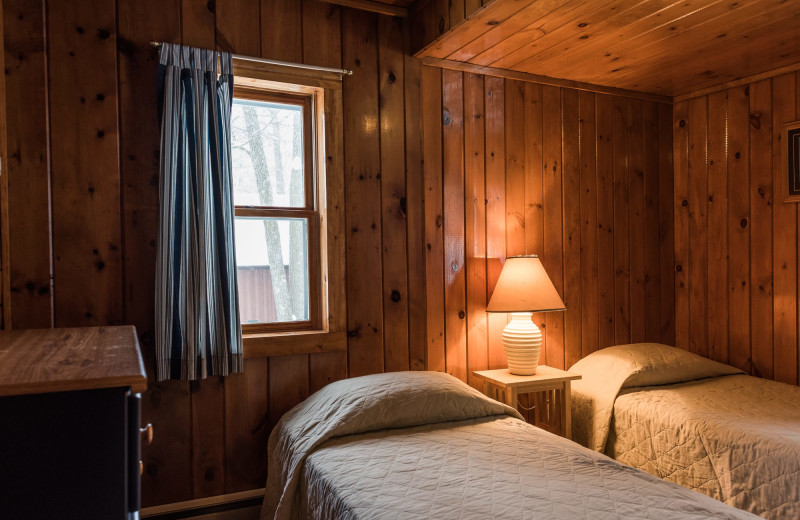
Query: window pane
272	269
267	154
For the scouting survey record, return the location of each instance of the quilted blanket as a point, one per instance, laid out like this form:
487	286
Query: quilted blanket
425	445
489	468
362	404
607	371
735	437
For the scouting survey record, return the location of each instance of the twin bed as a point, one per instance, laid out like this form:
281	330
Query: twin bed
695	422
414	445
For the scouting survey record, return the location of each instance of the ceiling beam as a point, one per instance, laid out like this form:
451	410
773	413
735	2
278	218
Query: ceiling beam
372	6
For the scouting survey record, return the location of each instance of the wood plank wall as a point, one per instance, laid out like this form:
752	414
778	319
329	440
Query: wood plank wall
429	19
82	183
736	292
582	179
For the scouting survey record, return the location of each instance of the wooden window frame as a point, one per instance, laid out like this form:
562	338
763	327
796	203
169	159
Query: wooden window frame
308	212
323	91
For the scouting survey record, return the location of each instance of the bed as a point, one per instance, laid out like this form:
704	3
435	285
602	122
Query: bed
415	445
695	422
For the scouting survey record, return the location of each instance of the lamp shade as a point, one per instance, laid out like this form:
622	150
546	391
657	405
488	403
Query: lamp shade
524	286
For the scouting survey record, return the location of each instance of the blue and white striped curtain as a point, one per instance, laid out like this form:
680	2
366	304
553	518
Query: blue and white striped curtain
197	314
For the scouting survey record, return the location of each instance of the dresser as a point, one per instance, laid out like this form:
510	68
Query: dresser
70	423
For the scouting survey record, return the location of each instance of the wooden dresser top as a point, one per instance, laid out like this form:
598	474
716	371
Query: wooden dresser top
35	361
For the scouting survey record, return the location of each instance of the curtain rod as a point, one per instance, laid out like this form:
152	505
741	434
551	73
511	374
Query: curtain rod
343	72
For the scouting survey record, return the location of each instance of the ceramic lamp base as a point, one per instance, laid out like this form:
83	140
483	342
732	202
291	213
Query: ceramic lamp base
522	341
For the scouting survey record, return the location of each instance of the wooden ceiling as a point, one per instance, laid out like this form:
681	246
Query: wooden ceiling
661	46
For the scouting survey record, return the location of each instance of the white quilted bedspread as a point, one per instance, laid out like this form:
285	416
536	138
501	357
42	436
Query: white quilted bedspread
694	422
424	445
735	438
491	468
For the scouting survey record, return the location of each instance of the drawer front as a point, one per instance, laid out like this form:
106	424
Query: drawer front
65	455
134	452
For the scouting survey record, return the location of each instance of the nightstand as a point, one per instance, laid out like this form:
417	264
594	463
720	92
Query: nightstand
551	395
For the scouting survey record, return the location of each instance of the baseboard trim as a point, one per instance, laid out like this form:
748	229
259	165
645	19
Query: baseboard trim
204	506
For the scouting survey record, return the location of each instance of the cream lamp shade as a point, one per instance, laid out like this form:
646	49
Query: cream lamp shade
522	289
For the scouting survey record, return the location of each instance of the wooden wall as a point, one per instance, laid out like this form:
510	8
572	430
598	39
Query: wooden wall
83	147
584	180
429	19
736	293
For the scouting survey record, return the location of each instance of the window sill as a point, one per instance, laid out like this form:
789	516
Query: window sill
291	343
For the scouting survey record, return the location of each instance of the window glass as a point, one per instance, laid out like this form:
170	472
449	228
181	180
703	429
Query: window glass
274	213
267	154
268	294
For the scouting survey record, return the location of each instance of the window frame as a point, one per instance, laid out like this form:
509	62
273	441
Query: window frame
308	212
325	90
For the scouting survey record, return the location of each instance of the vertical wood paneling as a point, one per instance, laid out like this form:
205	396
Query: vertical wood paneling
208	437
321	30
667	223
209	395
698	227
246	429
475	224
362	189
652	239
761	227
284	24
457	12
237	27
167	463
434	237
751	266
495	208
533	214
681	204
453	177
393	194
572	292
84	144
27	169
638	308
5	290
197	23
588	215
414	208
552	201
322	45
515	167
605	219
784	239
283	395
622	225
738	227
717	227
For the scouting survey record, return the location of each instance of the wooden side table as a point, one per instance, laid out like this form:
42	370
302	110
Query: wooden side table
552	401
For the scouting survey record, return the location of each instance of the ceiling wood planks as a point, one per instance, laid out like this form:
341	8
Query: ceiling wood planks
659	46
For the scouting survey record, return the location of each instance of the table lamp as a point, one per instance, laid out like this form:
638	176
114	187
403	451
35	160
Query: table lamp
522	289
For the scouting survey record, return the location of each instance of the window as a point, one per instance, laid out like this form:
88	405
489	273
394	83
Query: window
288	194
277	219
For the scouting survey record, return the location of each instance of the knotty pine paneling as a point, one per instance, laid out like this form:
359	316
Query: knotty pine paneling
736	243
579	183
82	175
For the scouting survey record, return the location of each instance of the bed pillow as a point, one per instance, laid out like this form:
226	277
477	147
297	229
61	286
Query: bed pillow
360	405
606	372
650	364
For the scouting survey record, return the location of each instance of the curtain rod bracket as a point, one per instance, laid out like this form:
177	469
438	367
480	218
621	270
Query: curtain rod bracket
343	72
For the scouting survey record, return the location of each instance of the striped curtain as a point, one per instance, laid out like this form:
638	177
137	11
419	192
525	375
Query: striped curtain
197	315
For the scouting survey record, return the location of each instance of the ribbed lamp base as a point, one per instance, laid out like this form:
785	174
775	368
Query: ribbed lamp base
522	341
